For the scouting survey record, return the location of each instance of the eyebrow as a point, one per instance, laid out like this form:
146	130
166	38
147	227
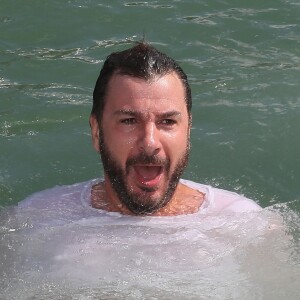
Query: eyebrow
134	113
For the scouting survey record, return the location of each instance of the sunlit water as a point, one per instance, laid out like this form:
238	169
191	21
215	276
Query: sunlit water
243	62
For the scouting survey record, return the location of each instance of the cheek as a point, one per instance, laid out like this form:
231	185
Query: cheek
178	139
130	141
126	145
175	147
122	146
129	130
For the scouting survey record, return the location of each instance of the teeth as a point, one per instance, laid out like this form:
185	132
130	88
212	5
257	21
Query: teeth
148	172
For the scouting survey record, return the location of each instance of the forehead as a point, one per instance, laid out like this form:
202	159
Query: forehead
158	94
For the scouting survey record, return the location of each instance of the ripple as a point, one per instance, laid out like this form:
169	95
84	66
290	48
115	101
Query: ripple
53	92
87	4
199	20
252	11
56	54
268	65
10	129
80	54
60	93
232	13
136	4
269	108
115	42
286	26
147	4
4	83
5	19
57	97
6	132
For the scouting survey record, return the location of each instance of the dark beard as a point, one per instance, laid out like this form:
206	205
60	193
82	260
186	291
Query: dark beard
141	203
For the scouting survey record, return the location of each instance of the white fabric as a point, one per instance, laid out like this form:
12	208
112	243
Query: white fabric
61	241
76	198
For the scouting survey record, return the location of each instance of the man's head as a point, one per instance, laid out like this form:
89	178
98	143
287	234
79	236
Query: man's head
141	125
141	61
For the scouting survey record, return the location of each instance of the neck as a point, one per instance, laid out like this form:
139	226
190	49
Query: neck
184	201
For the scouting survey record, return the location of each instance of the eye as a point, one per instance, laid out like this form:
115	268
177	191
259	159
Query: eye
168	122
128	121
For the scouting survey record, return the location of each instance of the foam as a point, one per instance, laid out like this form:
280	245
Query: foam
49	254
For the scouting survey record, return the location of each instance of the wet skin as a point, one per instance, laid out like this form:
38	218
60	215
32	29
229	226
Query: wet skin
145	119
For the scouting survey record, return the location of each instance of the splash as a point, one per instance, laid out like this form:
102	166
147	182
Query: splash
50	255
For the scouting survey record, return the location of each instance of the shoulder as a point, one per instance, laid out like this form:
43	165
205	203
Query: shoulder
223	200
54	196
233	202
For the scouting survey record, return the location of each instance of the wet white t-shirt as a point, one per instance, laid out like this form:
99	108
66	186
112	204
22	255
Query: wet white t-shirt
59	241
77	198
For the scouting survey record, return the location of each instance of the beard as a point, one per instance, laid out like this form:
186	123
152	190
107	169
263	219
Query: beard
141	203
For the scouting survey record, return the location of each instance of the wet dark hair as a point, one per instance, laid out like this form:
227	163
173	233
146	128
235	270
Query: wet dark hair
141	61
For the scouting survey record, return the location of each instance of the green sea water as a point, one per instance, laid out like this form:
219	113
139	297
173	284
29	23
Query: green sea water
242	59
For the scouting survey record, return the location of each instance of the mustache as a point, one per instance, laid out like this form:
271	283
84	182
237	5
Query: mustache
143	158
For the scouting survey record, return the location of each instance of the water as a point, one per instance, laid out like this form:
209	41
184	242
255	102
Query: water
66	253
243	62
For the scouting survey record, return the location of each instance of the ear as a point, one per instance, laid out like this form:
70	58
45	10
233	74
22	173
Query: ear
95	131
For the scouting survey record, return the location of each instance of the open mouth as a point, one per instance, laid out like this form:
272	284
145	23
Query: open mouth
148	175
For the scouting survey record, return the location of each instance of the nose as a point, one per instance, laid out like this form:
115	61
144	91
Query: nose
150	142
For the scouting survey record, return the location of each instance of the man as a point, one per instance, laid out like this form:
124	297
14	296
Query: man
140	123
84	233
